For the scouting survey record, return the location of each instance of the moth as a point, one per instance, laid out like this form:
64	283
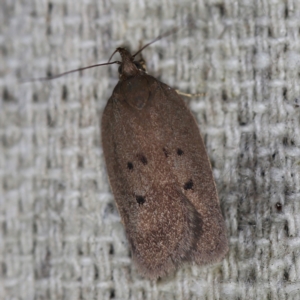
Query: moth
160	174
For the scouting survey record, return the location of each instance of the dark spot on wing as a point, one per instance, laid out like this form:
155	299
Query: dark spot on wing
188	185
166	152
179	152
142	158
130	165
140	200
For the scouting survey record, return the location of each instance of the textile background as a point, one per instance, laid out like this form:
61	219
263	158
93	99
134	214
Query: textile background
60	232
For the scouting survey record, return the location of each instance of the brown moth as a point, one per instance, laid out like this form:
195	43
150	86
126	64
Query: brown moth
159	172
160	175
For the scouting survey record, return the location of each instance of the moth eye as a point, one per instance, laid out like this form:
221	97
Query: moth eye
140	200
120	69
143	159
188	185
179	152
130	165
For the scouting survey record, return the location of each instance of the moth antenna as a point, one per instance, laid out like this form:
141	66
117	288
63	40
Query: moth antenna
113	54
172	31
68	72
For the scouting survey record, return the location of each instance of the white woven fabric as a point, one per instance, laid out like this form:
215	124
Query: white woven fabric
60	233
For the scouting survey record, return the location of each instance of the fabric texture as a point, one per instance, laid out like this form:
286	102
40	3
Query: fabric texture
60	232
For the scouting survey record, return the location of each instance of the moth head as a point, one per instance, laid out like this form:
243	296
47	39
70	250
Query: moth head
129	67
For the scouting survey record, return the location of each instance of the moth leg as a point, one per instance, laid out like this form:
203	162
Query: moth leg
141	63
190	95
